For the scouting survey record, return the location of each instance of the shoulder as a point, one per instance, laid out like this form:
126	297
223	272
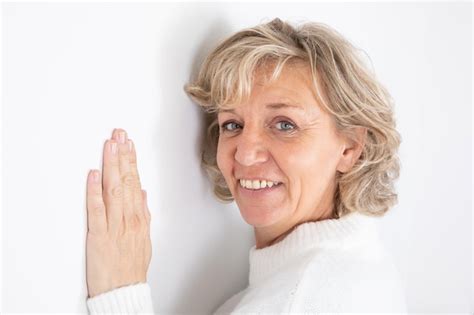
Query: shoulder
363	280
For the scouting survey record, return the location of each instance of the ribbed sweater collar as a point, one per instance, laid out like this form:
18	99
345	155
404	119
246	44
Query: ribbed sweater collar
346	232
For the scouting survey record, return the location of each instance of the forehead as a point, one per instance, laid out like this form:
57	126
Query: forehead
293	89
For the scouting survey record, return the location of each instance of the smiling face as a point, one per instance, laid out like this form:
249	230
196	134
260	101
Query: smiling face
281	134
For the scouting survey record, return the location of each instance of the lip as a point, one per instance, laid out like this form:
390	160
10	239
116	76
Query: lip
259	193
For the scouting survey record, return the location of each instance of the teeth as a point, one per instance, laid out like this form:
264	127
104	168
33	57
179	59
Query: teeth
256	184
248	184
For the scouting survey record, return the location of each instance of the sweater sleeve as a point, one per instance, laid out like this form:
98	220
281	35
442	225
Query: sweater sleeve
131	299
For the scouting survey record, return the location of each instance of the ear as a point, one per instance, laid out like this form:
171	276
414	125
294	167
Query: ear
352	150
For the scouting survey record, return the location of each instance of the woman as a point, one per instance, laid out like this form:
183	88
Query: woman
303	138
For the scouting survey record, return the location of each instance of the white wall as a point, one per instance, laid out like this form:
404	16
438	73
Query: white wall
73	72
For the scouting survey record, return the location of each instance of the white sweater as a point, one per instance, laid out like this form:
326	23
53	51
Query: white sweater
336	265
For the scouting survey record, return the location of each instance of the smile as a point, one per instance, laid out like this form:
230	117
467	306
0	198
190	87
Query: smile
261	194
257	184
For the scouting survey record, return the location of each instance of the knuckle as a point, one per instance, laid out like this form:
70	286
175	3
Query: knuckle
134	223
116	191
128	180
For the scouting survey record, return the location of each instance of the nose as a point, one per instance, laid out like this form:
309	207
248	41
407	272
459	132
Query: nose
251	148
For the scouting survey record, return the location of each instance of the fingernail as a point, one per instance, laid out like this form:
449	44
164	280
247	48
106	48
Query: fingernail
122	137
114	147
96	176
90	178
130	145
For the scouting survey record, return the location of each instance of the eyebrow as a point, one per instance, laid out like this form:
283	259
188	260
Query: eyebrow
272	106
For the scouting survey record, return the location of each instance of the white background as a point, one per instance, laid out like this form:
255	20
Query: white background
73	72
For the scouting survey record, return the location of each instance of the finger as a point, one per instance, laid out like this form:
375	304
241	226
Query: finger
113	191
146	210
137	189
127	179
96	213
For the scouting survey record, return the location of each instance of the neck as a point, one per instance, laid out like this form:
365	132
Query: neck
270	235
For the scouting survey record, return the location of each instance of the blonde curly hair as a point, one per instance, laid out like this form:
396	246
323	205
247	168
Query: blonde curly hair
352	95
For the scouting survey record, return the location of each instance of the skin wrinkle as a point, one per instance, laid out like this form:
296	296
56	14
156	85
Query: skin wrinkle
305	159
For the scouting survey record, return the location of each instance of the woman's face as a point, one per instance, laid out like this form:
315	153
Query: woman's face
280	134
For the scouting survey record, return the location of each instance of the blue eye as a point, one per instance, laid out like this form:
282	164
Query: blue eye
232	126
231	123
286	126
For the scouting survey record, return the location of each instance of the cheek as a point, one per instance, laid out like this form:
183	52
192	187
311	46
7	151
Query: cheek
302	168
300	157
310	165
222	158
224	161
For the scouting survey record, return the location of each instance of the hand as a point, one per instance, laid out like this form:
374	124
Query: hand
118	250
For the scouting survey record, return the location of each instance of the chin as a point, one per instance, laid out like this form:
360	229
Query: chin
259	216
